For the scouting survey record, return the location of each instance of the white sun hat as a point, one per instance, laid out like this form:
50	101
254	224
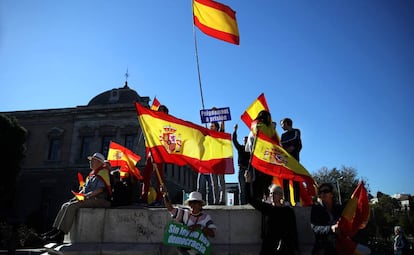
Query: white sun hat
195	196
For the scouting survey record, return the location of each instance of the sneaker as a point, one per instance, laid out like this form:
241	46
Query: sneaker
49	233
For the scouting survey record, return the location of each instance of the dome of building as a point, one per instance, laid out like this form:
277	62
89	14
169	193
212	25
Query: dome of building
122	95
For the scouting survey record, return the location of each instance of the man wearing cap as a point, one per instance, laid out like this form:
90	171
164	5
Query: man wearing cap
95	194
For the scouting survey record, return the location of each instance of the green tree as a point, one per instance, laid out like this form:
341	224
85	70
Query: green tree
346	178
384	215
12	139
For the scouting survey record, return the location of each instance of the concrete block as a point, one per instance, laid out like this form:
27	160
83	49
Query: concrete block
141	231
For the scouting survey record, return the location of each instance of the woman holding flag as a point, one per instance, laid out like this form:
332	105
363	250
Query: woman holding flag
263	123
325	221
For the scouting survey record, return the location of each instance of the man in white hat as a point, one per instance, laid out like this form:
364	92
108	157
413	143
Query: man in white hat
194	218
95	194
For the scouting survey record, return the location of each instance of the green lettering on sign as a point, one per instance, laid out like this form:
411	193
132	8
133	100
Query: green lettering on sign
177	234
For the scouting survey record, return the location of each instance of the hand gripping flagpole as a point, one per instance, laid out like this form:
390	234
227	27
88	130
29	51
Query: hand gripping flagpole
160	180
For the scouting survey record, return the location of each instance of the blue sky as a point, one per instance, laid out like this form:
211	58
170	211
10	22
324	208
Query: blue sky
342	70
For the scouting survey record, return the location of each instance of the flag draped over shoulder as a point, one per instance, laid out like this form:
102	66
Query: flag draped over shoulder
354	217
251	112
175	141
270	158
124	158
155	104
104	175
216	20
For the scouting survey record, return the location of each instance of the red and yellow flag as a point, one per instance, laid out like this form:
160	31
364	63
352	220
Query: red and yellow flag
304	198
120	156
81	181
216	20
155	104
104	175
270	158
175	141
354	217
79	196
253	110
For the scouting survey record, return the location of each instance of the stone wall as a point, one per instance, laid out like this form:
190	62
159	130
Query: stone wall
141	231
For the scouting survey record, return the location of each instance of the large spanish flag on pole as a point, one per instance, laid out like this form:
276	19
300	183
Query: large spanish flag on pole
270	158
175	141
354	217
216	20
120	156
251	112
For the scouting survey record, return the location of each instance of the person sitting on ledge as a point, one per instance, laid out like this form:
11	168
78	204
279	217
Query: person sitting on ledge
96	194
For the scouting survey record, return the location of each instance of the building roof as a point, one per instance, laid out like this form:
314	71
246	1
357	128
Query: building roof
116	96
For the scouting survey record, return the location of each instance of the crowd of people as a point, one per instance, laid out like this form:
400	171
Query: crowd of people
279	230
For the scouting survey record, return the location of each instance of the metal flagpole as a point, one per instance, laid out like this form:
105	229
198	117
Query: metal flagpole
198	64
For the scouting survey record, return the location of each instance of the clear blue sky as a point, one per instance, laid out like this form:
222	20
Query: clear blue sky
342	70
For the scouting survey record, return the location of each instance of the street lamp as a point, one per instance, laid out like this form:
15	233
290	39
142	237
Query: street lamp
339	190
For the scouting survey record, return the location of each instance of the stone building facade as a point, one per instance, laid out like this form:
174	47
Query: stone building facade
59	141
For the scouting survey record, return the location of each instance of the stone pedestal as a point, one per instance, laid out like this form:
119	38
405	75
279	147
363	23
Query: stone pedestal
141	230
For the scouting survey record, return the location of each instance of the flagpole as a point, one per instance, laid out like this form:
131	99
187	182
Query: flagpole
197	61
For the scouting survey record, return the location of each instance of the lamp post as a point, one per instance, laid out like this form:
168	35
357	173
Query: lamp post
339	190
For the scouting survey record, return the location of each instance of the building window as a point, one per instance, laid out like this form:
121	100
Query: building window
105	144
129	141
54	149
86	146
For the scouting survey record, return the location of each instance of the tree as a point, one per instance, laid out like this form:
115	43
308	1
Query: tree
383	215
346	178
12	139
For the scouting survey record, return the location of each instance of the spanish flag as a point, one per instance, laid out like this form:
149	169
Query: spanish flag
354	217
79	196
155	104
270	158
251	112
120	156
175	141
81	181
216	20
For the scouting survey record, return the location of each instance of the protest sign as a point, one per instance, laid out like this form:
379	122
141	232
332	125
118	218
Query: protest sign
215	115
178	234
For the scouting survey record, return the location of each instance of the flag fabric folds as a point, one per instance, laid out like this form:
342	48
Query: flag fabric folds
175	141
124	158
354	217
81	181
216	20
79	196
251	112
270	158
155	104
